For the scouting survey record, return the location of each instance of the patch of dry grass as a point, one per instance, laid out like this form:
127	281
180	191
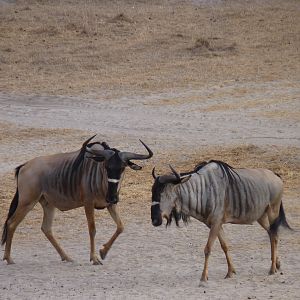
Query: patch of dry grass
282	114
75	47
10	131
249	104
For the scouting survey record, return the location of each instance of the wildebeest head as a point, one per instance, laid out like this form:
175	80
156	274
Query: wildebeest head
115	162
164	197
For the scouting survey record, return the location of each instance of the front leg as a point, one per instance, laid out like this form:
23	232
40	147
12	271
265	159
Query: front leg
89	211
113	210
213	234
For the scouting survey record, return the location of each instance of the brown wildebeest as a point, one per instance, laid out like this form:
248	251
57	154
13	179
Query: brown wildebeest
90	177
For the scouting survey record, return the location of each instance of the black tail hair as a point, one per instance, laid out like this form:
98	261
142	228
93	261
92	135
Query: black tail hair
280	220
12	208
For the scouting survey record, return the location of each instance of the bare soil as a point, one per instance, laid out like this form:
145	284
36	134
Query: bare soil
195	80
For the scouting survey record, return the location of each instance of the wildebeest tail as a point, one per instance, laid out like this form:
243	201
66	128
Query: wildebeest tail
280	221
17	170
12	208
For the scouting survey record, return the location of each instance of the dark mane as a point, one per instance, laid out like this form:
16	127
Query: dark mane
227	170
77	164
196	168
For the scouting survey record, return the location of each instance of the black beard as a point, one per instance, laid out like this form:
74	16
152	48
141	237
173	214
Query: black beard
177	216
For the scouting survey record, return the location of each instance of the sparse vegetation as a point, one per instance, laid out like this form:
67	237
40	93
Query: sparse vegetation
79	47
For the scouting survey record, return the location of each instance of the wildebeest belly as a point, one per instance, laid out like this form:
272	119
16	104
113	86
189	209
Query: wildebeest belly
62	202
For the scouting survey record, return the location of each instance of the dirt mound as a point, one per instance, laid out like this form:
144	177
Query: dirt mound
121	18
213	47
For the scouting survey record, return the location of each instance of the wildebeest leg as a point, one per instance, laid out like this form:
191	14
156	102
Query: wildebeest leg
12	224
275	261
213	234
113	210
89	211
265	223
224	246
49	211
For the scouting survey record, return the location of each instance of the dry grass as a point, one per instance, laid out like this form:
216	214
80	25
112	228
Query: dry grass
234	96
9	132
282	114
74	47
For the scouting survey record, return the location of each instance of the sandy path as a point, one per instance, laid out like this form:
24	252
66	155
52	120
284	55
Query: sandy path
265	113
152	263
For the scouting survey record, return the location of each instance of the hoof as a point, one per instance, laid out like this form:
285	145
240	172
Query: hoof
67	259
96	261
229	275
278	265
203	284
9	261
102	254
272	272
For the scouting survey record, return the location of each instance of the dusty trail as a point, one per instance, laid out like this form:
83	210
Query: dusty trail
185	119
152	263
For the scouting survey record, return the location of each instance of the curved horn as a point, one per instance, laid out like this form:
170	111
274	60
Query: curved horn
175	173
153	173
126	156
87	141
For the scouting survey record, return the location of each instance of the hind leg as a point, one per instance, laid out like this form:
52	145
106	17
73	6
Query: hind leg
274	258
264	221
49	211
224	246
12	224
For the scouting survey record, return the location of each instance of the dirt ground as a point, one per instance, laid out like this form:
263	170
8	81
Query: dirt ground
195	80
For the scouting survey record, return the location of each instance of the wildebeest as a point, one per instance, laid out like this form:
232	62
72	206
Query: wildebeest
90	177
215	194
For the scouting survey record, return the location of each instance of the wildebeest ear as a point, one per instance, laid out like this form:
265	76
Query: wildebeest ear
185	179
134	166
182	179
105	145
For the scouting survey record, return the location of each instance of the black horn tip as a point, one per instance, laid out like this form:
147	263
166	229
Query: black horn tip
148	149
153	173
88	140
175	173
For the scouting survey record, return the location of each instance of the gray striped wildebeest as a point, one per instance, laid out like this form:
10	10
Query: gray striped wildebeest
215	193
90	177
